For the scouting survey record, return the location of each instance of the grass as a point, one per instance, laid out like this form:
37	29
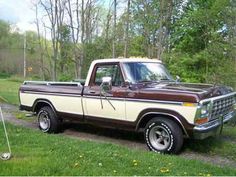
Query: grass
9	91
35	153
223	145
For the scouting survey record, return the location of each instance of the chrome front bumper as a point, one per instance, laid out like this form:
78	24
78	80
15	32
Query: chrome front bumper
212	128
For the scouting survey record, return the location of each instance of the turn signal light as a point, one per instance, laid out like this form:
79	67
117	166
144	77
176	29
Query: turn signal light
201	121
189	104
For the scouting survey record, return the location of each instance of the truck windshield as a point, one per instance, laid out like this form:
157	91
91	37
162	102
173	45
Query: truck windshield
137	72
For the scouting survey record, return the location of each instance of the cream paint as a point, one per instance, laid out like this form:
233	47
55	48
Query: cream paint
132	110
136	107
67	104
124	110
93	107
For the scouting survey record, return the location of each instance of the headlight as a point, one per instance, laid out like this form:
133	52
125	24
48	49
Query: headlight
205	110
203	113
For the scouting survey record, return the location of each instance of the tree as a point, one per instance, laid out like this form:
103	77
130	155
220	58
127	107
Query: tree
114	30
55	14
127	30
153	20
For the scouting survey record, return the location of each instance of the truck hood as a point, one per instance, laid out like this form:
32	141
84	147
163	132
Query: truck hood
184	92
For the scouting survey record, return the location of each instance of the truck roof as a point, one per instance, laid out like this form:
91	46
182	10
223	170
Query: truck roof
131	59
111	60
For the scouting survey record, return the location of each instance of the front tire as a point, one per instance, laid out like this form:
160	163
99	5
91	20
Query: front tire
48	121
163	136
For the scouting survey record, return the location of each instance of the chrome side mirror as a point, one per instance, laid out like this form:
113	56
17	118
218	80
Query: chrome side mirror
105	87
177	79
106	84
127	83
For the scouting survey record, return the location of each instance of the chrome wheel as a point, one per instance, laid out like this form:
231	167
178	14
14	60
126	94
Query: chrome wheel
44	121
159	137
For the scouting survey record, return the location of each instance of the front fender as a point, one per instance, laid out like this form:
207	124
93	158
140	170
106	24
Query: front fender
148	114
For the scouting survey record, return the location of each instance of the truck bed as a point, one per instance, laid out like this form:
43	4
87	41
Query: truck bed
60	94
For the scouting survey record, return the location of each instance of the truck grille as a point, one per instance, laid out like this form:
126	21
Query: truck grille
222	106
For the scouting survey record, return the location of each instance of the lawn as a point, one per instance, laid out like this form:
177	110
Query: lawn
36	153
9	91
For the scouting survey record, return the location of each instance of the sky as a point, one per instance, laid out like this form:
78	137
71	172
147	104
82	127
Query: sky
18	12
21	13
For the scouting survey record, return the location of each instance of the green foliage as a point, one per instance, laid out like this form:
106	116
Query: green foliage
197	37
65	77
17	79
184	66
4	75
200	50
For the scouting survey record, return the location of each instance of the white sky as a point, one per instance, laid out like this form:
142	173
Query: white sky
18	12
21	13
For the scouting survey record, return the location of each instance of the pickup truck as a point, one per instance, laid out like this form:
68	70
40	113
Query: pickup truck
133	94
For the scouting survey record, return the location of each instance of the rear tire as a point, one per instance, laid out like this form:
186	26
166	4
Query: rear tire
163	136
48	121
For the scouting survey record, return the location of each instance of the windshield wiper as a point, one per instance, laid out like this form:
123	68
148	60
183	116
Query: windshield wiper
147	81
166	80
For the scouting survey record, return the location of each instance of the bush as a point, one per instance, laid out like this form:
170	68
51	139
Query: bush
4	75
18	79
65	77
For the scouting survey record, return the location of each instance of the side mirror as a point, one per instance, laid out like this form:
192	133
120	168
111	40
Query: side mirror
106	84
127	83
105	87
177	79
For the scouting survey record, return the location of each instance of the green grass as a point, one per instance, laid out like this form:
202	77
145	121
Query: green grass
35	153
9	91
223	145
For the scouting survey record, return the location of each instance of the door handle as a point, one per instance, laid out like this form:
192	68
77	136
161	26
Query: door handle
91	92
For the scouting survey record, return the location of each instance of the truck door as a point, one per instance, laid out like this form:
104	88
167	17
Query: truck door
109	105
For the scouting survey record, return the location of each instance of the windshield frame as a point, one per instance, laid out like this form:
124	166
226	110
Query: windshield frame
128	76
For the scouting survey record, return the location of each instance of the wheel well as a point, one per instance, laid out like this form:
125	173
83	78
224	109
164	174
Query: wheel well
148	117
41	104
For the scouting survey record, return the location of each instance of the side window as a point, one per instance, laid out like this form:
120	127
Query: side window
112	71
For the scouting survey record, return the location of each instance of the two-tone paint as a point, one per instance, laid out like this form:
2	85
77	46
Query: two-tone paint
128	106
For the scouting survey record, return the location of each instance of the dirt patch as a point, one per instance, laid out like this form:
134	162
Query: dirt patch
212	159
124	138
8	113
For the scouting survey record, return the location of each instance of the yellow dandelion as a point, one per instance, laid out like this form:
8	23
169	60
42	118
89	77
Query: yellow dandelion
76	164
164	170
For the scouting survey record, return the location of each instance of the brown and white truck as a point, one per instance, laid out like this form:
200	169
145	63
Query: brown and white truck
133	94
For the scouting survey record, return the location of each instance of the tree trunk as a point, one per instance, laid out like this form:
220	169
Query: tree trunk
42	75
127	31
114	32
